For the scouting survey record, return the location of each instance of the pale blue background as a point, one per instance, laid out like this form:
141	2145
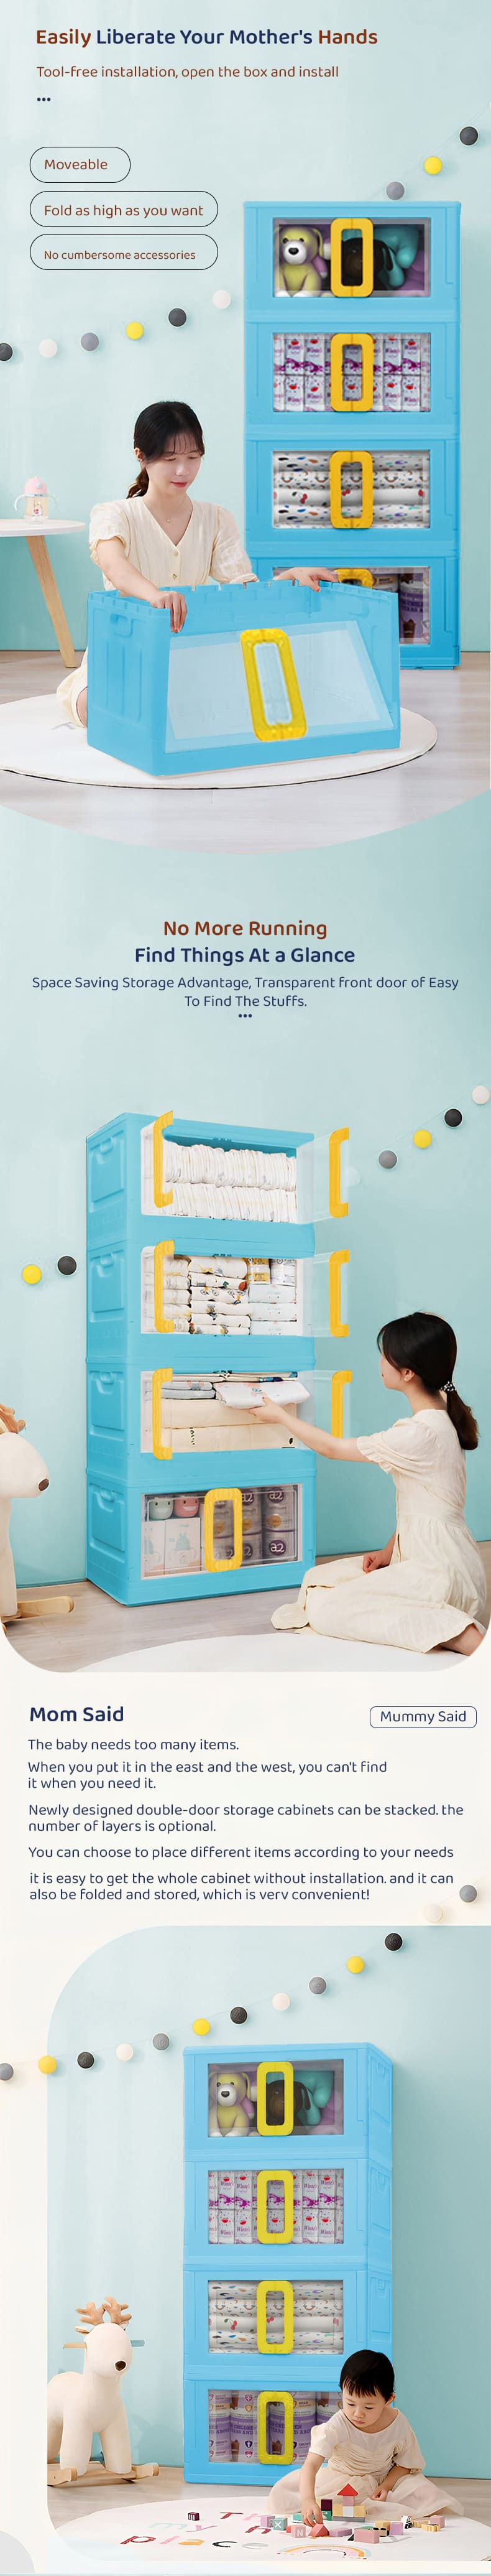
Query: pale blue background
116	2150
382	1063
71	420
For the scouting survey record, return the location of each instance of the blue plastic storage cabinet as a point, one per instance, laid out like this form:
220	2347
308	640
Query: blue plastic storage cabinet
260	674
287	2251
254	1526
352	404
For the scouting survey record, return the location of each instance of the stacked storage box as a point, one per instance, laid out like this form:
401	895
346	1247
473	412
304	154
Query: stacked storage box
352	426
200	1248
287	2255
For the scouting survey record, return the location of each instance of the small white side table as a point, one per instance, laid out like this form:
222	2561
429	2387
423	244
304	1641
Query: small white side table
34	533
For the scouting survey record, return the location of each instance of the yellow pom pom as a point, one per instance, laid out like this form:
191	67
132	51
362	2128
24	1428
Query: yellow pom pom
134	330
201	2028
422	1137
47	2065
355	1966
433	166
32	1274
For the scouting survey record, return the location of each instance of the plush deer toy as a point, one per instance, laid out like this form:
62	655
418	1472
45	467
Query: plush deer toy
81	2403
22	1471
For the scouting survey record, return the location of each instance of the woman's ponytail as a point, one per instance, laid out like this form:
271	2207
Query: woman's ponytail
464	1421
140	486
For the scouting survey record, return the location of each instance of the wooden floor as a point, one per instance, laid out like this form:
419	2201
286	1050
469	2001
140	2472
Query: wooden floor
311	816
66	2505
100	1630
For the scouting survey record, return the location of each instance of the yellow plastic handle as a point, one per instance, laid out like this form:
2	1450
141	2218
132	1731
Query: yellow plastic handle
160	1378
340	1379
162	1198
351	456
297	723
263	2292
222	1494
274	2397
274	2128
352	340
342	224
336	1264
277	2235
337	1205
162	1324
351	574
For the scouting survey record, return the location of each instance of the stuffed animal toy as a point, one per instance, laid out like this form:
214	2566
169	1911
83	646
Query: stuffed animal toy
22	1472
81	2403
393	255
231	2104
275	2100
310	2098
302	267
317	2086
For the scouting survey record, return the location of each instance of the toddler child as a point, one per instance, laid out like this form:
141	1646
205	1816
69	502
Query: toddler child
369	2446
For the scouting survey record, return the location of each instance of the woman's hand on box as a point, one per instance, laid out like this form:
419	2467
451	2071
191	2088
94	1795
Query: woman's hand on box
173	599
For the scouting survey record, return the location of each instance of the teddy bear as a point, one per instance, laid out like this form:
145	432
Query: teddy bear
231	2103
302	267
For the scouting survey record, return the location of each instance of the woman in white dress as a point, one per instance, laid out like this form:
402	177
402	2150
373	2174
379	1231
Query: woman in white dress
427	1587
158	537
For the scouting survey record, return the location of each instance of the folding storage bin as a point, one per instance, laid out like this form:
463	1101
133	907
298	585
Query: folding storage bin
258	675
167	1517
352	405
287	2255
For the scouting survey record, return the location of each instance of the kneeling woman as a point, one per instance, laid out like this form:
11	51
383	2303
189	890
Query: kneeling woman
159	538
427	1587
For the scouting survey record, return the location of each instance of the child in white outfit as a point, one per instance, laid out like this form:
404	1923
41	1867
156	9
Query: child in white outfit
146	545
368	2446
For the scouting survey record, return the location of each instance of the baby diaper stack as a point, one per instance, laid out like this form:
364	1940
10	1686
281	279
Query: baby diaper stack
204	1293
301	489
232	2208
232	2422
222	1181
401	481
317	2207
302	371
272	1296
318	2316
177	1298
218	1294
413	595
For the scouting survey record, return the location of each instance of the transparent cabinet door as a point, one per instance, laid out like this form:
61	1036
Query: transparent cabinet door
349	256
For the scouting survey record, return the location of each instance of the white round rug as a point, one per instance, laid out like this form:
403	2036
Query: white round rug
36	742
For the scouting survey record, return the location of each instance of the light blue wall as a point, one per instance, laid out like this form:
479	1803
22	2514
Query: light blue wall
71	420
116	2150
382	1062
